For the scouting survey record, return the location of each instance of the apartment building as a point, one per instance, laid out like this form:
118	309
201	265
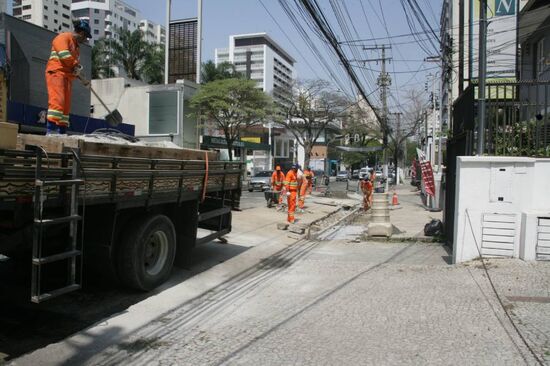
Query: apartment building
107	15
153	33
261	59
54	15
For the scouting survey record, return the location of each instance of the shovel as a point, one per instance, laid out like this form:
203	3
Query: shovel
113	118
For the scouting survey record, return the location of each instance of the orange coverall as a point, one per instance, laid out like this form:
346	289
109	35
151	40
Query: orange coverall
277	183
305	187
64	57
367	188
291	186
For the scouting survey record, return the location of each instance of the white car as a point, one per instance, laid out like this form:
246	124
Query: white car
363	172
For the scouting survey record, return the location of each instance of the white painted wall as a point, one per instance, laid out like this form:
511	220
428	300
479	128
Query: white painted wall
492	186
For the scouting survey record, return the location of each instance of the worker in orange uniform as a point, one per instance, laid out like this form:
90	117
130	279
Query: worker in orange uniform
291	187
367	188
62	68
305	187
277	184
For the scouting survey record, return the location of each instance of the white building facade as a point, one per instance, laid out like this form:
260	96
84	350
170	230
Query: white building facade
54	15
153	33
260	58
108	15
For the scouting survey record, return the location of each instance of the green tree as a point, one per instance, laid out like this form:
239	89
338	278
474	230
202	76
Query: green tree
313	107
130	51
211	72
101	60
139	59
233	104
152	69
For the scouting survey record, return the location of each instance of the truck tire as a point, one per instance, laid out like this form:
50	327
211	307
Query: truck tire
147	253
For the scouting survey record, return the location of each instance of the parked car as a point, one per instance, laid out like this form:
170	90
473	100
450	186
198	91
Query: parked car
363	172
260	182
355	174
342	176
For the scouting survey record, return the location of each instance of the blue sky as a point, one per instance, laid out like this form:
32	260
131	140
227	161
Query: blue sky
224	17
370	19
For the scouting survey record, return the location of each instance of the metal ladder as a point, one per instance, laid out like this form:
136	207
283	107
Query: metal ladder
73	251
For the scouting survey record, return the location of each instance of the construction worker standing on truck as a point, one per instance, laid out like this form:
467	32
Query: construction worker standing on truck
62	68
277	183
305	187
291	187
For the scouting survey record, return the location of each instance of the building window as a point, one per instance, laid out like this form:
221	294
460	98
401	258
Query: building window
96	21
539	58
26	17
45	17
56	3
282	148
55	12
27	7
45	7
55	21
96	31
96	11
66	16
163	112
66	25
66	7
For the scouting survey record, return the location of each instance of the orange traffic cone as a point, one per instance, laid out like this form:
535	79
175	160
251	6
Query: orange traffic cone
394	200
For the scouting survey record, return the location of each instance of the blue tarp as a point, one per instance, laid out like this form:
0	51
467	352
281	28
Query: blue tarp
30	115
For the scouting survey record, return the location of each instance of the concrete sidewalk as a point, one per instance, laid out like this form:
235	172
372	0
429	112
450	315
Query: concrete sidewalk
410	216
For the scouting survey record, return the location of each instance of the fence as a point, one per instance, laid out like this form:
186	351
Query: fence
518	117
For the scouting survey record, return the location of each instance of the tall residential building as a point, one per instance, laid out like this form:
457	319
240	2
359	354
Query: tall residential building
107	15
153	33
54	15
261	59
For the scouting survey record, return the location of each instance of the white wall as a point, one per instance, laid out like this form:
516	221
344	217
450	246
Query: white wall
492	196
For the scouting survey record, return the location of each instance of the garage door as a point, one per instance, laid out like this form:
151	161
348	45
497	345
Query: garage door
543	239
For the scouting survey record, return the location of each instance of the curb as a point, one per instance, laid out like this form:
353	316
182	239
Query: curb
312	236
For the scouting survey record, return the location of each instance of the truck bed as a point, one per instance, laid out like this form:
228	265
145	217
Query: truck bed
124	180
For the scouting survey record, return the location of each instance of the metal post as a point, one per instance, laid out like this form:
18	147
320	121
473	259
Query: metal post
482	76
167	41
199	40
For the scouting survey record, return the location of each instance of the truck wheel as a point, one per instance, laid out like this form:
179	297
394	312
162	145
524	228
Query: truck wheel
147	253
250	189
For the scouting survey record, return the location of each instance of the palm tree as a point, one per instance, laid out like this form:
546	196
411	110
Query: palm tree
129	51
101	64
152	69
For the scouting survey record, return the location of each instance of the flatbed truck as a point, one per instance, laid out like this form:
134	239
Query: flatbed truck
71	213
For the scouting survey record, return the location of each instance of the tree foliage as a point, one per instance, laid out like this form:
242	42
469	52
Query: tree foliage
405	126
211	72
101	64
139	59
233	104
313	107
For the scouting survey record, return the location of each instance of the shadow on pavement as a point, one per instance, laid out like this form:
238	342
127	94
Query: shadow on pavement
25	326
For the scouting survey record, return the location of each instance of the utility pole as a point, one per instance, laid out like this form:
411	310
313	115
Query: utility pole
384	81
482	76
167	41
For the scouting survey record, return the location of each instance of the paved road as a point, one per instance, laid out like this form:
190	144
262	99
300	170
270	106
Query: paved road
25	327
343	303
